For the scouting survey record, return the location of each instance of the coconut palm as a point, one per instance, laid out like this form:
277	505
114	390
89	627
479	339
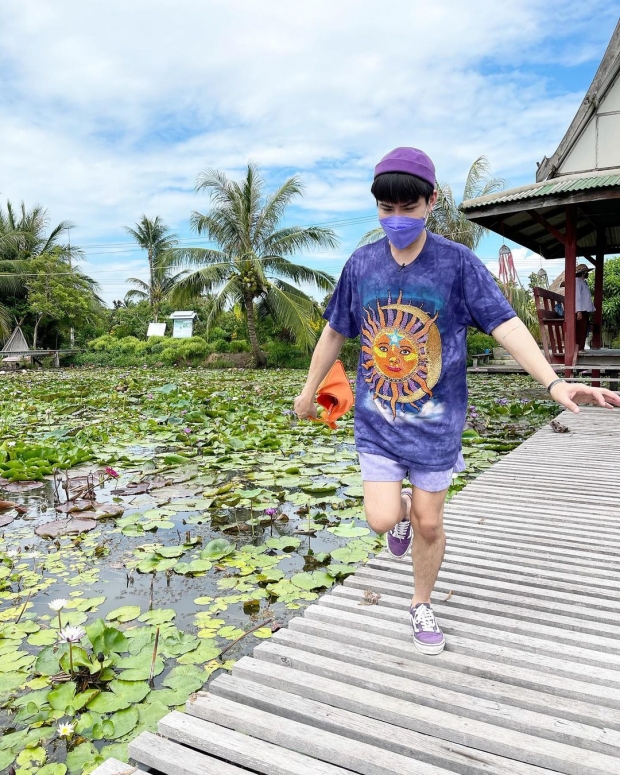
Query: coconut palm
446	219
23	237
155	237
251	267
161	284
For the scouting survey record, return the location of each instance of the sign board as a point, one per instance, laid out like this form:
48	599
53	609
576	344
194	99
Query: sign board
182	328
156	329
182	324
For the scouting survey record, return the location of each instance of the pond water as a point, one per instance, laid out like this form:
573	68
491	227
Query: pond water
231	514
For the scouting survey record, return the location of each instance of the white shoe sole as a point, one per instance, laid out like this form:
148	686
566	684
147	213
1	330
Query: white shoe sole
398	556
428	649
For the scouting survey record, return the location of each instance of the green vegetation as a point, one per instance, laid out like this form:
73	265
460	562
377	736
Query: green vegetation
205	512
154	236
251	270
611	299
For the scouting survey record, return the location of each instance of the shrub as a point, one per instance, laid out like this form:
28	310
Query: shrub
478	343
350	354
282	355
239	346
220	346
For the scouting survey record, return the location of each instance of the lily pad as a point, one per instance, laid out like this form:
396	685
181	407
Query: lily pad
317	579
124	614
217	549
349	530
62	527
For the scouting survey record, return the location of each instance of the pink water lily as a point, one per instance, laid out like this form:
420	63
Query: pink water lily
111	472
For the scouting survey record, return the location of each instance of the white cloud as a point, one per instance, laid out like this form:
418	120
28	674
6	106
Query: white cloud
111	109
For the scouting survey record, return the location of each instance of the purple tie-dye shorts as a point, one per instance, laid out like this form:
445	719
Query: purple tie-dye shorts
376	468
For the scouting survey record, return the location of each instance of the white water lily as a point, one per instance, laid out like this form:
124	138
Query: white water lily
71	634
65	730
58	604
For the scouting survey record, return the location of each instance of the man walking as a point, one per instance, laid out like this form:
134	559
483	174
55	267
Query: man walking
411	297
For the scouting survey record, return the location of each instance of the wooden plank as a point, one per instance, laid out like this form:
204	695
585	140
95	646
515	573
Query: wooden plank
115	767
453	577
359	756
434	673
462	538
542	605
513	744
572	559
594	650
480	641
439	753
478	665
519	574
173	759
536	523
210	734
518	557
478	506
529	537
409	688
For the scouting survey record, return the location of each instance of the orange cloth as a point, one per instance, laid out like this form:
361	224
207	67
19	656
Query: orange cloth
334	395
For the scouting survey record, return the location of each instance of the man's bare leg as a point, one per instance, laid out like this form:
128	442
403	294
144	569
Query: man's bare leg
384	504
429	541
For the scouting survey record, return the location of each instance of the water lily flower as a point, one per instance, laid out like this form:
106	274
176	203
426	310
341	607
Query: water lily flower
187	430
111	472
502	401
271	512
71	634
65	730
58	604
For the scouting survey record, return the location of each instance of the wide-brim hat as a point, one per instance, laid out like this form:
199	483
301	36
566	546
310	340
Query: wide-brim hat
581	268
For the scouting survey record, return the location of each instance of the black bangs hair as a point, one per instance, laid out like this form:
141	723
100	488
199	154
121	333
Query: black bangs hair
399	188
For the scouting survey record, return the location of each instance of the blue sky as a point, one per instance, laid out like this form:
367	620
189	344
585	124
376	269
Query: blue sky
110	110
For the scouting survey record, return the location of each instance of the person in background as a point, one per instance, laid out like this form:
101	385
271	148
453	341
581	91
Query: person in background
583	304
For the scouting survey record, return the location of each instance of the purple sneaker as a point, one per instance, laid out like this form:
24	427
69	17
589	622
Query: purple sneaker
427	634
400	536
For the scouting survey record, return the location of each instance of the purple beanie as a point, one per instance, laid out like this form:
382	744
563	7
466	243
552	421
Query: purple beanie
409	160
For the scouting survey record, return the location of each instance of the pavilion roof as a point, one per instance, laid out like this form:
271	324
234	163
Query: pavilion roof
525	214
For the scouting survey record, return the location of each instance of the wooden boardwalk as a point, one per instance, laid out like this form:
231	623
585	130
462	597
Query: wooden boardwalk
529	682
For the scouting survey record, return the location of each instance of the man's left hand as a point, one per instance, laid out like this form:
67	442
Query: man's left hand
569	394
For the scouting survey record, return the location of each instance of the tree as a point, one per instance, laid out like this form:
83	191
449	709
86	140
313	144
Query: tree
161	285
250	267
59	291
24	236
611	296
446	219
155	237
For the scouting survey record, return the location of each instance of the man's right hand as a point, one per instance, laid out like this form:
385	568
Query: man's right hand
304	406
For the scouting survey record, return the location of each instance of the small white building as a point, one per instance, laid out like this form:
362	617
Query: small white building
182	324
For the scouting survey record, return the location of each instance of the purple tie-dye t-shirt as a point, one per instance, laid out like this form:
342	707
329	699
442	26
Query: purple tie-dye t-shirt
411	396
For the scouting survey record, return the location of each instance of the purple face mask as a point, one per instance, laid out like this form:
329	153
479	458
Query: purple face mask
401	230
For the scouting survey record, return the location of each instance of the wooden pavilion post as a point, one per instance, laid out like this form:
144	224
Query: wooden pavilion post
570	253
597	318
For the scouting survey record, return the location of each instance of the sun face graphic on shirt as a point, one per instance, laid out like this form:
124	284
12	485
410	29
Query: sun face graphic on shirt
401	351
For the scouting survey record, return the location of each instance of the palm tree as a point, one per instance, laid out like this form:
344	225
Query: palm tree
161	284
250	267
155	237
23	237
446	219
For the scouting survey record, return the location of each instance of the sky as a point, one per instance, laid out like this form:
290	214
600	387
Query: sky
111	110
